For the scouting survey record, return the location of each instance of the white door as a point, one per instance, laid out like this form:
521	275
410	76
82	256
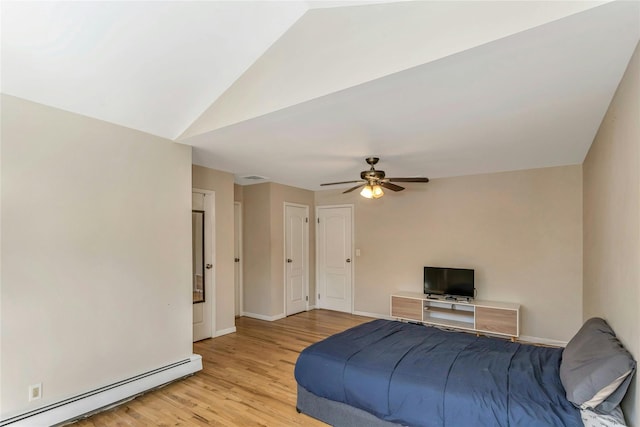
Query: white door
203	204
334	258
237	254
296	235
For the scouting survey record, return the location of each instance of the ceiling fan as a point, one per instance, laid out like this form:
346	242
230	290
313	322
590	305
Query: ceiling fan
374	180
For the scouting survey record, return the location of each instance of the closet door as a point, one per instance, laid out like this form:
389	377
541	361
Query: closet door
335	267
296	237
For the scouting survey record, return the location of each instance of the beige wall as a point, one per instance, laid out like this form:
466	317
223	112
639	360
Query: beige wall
520	231
612	222
256	244
222	184
96	253
237	192
263	244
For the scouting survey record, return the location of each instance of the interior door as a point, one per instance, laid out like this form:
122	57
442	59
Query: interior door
296	258
202	215
237	254
334	241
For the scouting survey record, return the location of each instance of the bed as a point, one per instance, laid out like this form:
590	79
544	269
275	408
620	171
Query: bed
388	373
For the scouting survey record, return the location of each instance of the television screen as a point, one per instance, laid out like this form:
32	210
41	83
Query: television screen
449	281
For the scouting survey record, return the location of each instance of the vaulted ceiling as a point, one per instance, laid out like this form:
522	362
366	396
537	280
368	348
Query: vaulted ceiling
301	92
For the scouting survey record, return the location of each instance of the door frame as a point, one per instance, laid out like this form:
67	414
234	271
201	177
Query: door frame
212	235
240	255
284	254
352	209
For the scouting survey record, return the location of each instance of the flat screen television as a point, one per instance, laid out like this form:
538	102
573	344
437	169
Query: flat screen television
451	282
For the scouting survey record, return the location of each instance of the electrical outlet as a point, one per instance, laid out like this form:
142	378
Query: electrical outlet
35	392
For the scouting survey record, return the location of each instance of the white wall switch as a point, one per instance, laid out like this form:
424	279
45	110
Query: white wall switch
357	252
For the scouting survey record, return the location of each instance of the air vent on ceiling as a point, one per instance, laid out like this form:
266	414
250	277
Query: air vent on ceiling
254	177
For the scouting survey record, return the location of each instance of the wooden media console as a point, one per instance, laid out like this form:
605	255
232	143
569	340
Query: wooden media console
486	317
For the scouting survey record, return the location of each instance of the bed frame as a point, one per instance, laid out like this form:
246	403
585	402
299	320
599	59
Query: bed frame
336	414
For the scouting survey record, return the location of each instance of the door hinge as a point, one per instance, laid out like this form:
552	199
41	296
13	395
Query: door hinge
318	296
306	220
307	297
318	220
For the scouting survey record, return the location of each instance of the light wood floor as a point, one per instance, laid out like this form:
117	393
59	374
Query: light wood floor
247	378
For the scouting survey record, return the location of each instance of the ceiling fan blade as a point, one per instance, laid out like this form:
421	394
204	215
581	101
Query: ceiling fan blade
342	182
391	186
417	179
352	188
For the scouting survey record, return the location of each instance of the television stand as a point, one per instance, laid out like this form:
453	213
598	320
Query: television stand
486	317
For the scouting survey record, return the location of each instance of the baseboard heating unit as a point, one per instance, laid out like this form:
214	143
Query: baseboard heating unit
103	397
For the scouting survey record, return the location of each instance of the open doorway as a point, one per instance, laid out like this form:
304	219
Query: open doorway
203	268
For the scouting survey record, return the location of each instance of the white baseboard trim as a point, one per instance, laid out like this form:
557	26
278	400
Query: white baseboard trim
225	331
263	317
374	315
545	341
75	407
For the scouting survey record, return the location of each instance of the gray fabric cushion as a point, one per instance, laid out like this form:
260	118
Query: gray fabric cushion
593	360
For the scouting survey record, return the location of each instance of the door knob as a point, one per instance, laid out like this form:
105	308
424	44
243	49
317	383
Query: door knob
348	259
236	260
208	266
289	260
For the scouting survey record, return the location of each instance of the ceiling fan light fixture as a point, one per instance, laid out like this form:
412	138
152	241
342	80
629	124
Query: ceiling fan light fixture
372	191
377	192
367	192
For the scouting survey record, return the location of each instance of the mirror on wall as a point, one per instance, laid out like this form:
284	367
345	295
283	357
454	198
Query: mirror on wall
197	242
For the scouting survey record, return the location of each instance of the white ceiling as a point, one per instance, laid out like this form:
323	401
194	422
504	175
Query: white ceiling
330	50
301	95
151	66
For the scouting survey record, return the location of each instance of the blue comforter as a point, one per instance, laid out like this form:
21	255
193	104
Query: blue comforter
422	376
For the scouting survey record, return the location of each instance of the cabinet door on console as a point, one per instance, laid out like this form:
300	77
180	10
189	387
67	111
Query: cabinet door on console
406	308
496	320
